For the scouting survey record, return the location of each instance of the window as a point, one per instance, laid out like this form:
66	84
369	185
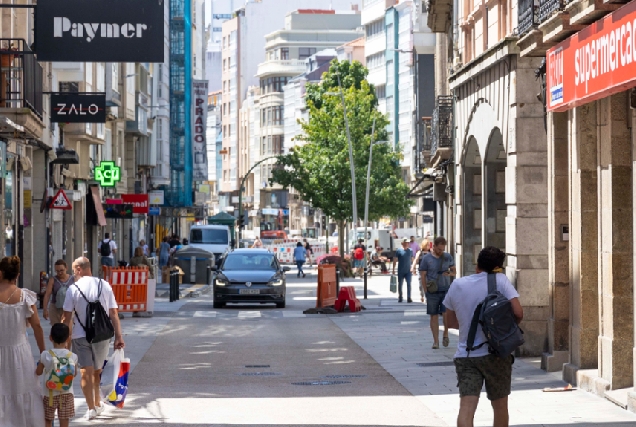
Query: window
374	29
380	91
305	52
225	65
272	116
375	60
284	53
209	236
273	84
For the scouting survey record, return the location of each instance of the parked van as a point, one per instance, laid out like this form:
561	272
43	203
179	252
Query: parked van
215	239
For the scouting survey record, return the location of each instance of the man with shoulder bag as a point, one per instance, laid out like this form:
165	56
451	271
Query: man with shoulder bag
96	321
484	354
436	269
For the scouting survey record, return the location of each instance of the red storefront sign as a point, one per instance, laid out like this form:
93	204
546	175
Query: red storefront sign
139	202
596	62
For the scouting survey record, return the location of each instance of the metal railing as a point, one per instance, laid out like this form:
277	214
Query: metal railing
528	16
20	77
442	124
548	7
422	144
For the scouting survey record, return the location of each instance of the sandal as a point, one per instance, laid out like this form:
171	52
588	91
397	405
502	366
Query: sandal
435	346
445	341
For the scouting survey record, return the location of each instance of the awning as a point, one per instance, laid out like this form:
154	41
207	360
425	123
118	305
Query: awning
97	201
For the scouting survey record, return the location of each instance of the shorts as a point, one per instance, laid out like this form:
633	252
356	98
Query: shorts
358	263
434	302
63	403
55	314
473	371
107	261
91	355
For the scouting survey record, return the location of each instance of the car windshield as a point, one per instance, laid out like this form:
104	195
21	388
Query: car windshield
209	235
249	262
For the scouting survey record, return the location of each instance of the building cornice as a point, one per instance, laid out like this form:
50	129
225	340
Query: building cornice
499	52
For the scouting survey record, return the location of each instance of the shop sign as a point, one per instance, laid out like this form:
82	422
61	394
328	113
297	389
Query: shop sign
100	30
154	211
78	108
107	174
594	63
138	201
199	120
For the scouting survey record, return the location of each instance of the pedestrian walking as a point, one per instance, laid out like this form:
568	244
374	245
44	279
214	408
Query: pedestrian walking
436	269
358	257
164	252
59	367
107	249
415	266
310	251
478	366
144	246
258	243
20	394
300	253
403	257
56	292
414	246
91	354
140	260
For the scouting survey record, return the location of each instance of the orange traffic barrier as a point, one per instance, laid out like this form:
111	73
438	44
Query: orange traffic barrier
130	286
106	272
326	286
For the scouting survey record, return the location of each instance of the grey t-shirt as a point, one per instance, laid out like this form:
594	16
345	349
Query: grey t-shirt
430	264
464	296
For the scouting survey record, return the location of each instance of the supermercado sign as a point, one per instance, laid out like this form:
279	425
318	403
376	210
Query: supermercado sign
596	62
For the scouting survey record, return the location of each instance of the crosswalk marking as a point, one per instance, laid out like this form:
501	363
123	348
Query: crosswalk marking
249	314
204	314
415	313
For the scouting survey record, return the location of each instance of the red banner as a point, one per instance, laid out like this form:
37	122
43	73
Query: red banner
594	63
139	202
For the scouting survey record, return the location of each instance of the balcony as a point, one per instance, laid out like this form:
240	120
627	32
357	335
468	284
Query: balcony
442	132
287	67
422	148
21	99
439	15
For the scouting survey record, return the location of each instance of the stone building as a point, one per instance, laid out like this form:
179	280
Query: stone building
488	150
589	99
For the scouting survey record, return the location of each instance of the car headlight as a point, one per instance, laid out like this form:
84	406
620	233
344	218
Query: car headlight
222	282
276	282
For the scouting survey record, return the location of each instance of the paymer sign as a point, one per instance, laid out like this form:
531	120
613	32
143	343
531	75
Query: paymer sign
100	30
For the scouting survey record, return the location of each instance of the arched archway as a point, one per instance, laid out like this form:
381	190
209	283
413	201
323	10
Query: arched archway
495	191
472	206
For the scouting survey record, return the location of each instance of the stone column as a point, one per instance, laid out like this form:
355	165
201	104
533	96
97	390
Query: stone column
616	305
559	246
583	242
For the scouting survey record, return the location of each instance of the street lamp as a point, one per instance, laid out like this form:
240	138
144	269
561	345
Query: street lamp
354	203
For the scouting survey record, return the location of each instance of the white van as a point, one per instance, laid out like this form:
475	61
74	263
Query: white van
215	239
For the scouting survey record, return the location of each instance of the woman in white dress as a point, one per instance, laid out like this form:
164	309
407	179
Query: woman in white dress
21	402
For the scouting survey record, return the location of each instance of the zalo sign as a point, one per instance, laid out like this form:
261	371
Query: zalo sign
99	30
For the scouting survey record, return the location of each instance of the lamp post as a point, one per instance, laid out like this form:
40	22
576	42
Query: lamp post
366	205
354	203
241	188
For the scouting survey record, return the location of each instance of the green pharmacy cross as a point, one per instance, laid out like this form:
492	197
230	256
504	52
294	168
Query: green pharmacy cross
107	174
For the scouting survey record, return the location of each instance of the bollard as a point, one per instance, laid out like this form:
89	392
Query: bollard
174	285
208	275
337	280
365	281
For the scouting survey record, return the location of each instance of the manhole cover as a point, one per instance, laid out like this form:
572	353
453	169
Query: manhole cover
344	376
322	382
257	366
424	365
263	374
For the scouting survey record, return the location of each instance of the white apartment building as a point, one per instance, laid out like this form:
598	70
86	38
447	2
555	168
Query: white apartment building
243	49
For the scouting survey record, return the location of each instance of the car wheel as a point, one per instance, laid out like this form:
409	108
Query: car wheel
280	304
218	304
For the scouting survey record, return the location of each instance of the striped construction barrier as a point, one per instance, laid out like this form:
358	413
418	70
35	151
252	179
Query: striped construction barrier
130	286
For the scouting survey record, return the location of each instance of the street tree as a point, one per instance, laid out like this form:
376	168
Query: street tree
318	167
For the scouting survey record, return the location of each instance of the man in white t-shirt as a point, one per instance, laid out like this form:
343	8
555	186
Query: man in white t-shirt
91	356
464	295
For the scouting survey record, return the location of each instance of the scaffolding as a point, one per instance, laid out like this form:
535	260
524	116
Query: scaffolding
179	193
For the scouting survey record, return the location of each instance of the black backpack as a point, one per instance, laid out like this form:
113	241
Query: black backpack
497	321
98	326
105	248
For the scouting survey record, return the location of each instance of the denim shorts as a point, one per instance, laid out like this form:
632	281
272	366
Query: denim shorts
434	302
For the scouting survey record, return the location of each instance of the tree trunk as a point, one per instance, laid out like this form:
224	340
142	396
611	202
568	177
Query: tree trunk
341	237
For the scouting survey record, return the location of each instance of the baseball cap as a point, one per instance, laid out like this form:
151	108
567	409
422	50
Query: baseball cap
405	240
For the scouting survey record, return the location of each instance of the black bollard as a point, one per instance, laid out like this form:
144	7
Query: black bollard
365	282
337	281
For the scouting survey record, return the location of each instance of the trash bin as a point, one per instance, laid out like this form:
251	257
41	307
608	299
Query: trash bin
195	264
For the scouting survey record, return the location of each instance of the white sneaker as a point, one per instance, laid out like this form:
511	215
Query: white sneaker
100	409
91	414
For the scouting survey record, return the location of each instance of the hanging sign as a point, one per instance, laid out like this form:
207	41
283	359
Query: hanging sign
60	201
78	108
596	62
138	201
156	197
200	101
99	30
154	211
107	174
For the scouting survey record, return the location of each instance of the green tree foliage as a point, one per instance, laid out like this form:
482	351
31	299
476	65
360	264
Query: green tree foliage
318	168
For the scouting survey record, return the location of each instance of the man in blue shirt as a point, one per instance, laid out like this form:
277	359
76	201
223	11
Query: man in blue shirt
403	259
300	253
437	266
